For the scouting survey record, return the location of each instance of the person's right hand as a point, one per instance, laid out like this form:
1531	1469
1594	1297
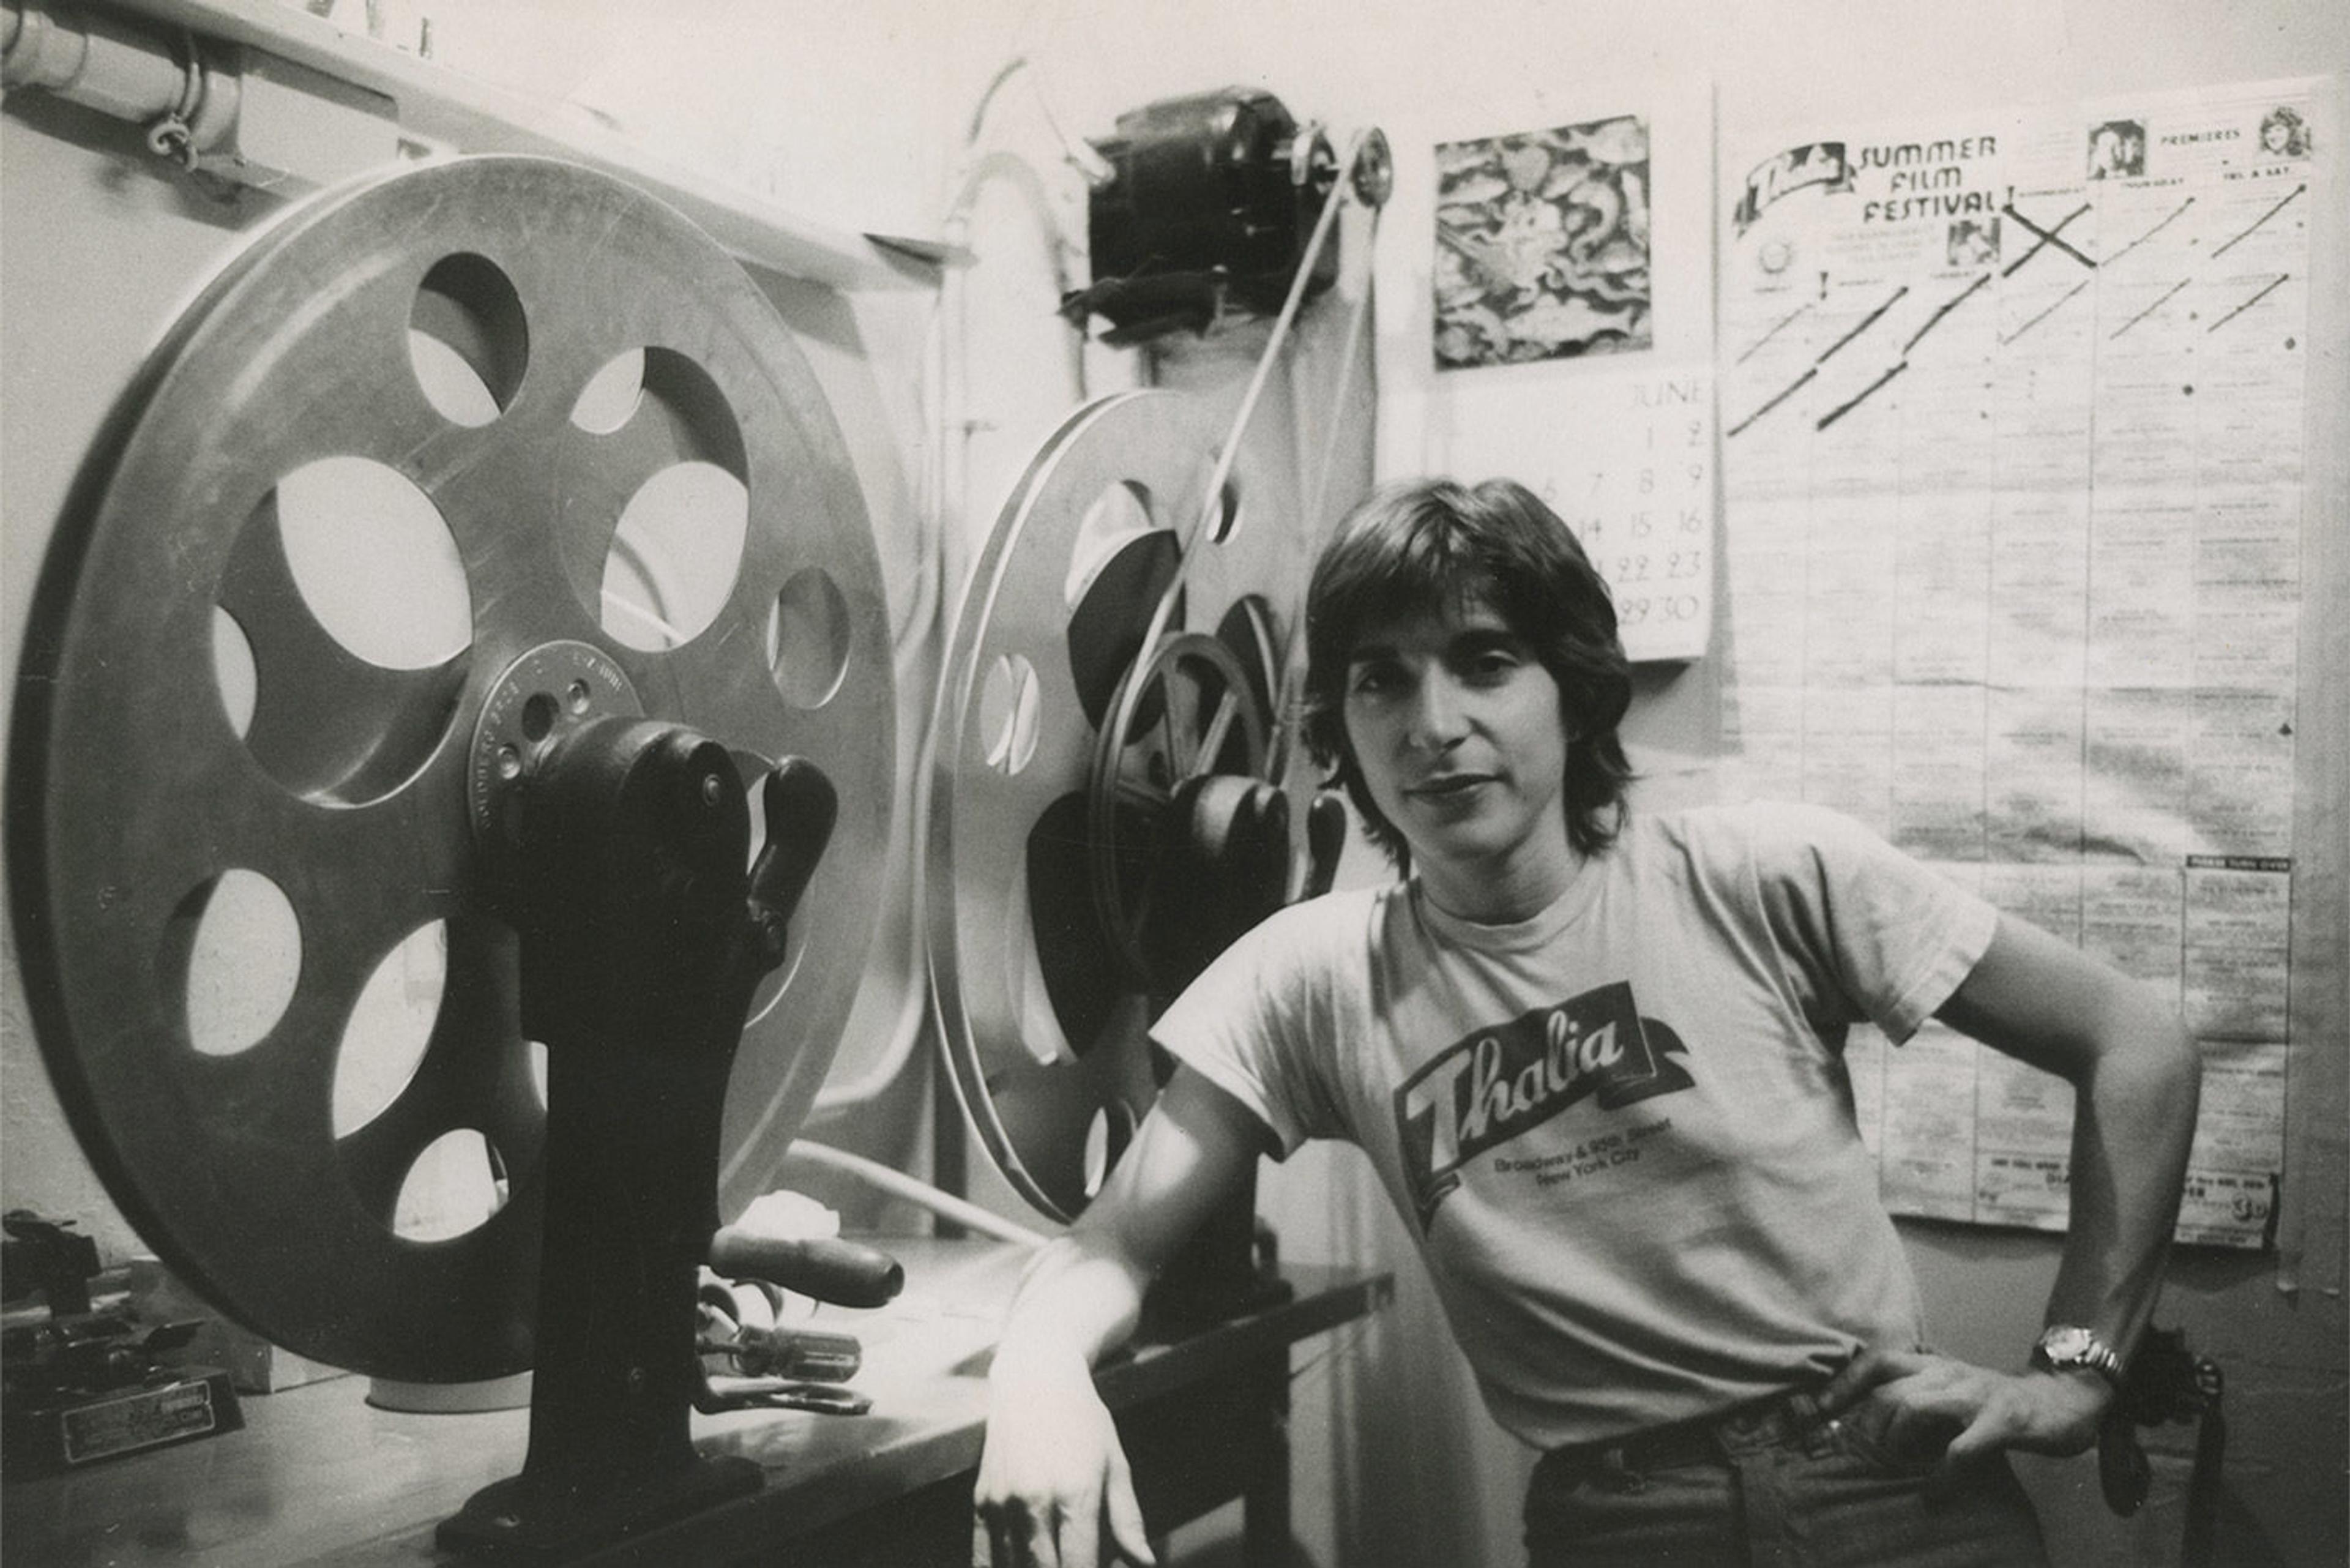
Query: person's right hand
1052	1476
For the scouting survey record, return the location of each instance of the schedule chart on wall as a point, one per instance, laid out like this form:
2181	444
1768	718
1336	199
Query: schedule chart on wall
2012	408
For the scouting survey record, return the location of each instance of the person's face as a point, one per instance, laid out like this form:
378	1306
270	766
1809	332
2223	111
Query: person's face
2274	136
1457	730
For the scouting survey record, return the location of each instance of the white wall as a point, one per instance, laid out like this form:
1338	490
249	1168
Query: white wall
860	115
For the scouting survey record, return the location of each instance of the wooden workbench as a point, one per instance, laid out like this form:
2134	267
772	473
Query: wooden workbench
320	1475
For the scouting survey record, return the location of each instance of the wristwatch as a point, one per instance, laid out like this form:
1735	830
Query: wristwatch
2065	1347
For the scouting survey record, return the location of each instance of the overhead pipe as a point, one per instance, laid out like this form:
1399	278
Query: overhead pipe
184	93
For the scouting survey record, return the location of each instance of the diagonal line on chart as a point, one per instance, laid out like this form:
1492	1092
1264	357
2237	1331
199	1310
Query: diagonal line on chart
2272	285
2263	218
2158	228
1866	322
1946	306
1785	392
2044	315
2149	310
1860	396
1776	328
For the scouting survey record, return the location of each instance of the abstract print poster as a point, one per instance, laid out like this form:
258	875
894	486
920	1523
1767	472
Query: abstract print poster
1542	245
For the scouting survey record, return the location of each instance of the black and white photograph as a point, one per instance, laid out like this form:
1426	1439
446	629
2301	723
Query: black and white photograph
1203	783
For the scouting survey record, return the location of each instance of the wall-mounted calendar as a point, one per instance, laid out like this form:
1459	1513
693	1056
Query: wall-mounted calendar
1546	314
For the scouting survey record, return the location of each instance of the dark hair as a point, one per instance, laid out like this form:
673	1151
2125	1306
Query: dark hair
1432	545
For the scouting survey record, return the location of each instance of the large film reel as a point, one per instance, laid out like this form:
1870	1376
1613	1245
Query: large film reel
1067	741
192	729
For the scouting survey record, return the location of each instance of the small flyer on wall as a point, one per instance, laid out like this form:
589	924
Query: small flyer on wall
2013	416
1545	296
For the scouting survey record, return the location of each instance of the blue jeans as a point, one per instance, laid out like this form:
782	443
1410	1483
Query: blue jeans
1773	1486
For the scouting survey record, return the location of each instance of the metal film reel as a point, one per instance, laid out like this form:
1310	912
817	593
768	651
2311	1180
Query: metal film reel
1063	749
591	412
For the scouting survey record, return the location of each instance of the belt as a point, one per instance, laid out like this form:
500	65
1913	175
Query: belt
1782	1420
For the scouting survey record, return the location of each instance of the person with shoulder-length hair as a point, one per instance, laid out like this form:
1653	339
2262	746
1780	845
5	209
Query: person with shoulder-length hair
1413	549
1595	1055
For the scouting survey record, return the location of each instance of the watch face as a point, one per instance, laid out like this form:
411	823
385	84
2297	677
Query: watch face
2063	1344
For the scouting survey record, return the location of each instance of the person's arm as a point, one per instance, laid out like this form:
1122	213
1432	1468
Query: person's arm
2135	1074
1052	1473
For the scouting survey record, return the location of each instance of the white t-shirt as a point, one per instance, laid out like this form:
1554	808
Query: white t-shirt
1621	1131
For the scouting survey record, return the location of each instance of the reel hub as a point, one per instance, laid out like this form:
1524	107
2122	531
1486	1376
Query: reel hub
1189	846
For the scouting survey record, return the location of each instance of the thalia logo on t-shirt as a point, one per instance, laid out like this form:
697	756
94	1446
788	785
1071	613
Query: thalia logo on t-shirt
1505	1079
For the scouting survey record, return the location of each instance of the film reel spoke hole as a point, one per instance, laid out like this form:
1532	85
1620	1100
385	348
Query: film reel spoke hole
389	1026
374	562
342	630
672	563
454	1186
673	559
1106	626
236	946
1189	721
610	399
807	638
668	403
1215	736
1067	961
1119	516
1008	707
468	340
236	678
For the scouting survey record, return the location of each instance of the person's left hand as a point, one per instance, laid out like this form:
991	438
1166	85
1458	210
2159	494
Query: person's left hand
1965	1411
